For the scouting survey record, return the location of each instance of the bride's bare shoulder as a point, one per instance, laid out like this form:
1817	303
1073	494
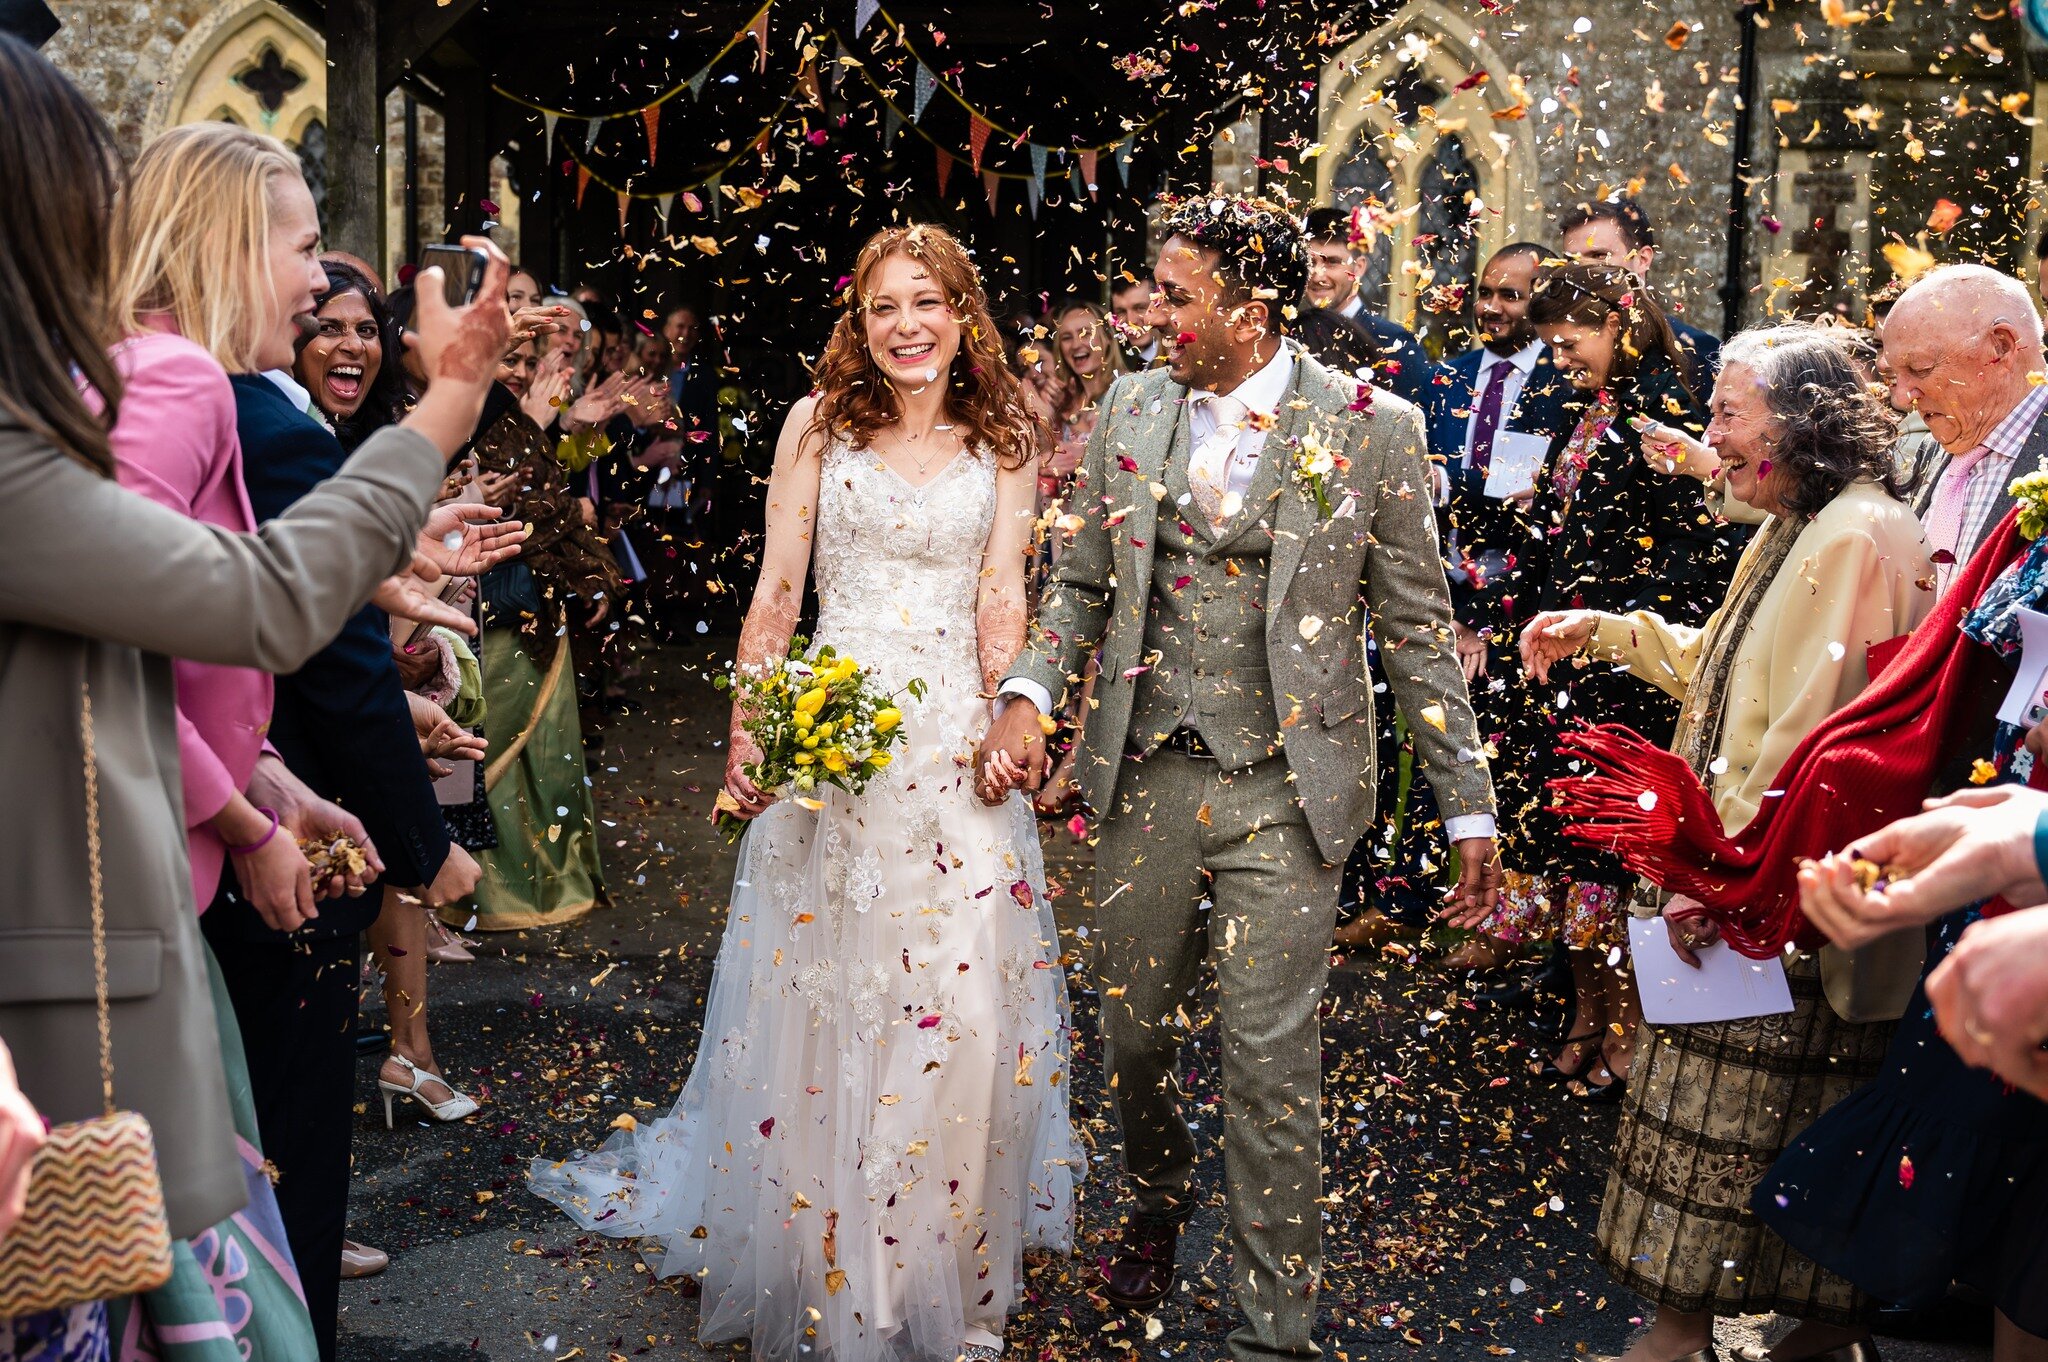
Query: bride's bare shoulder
803	437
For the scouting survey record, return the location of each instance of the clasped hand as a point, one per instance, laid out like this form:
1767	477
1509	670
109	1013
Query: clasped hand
1013	752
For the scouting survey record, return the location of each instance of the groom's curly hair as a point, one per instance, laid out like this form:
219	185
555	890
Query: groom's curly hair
1261	247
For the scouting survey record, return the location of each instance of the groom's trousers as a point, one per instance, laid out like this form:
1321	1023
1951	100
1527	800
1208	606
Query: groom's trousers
1182	832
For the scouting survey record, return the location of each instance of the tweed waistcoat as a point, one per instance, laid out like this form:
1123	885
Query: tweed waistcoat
1205	637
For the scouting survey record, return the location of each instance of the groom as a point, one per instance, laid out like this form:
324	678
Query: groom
1230	754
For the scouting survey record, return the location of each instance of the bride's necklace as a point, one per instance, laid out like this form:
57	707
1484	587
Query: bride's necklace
909	443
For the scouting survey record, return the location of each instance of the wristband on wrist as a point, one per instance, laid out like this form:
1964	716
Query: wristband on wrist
260	842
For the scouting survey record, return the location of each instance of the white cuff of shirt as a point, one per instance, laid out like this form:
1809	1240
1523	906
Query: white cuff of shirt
1030	690
1469	825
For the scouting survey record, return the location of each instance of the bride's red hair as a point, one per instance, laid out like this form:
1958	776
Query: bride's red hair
855	399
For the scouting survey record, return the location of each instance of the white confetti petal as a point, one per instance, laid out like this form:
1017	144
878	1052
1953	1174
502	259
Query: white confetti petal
1647	800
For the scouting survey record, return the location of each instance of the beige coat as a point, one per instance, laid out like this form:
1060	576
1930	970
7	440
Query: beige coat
99	584
1852	579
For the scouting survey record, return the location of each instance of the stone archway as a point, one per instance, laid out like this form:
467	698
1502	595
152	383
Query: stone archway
248	62
1422	166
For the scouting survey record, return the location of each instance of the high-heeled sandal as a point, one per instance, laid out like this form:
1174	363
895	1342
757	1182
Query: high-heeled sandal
455	1108
1554	1072
1607	1094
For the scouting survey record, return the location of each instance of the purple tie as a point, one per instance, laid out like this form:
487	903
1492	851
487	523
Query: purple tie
1488	420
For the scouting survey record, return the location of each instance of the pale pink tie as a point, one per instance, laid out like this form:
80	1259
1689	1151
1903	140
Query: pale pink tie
1945	514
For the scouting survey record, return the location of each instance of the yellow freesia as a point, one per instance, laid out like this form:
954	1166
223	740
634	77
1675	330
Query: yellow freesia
804	758
887	718
811	741
811	701
835	761
879	760
825	730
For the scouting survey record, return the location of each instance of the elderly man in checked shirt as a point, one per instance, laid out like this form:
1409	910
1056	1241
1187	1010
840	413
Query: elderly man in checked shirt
1964	344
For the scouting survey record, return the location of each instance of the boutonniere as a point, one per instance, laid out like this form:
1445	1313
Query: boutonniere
2032	494
1313	464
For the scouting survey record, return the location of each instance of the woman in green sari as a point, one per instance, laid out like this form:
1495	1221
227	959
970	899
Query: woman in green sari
545	867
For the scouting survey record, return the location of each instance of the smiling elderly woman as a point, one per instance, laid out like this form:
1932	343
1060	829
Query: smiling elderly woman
1839	566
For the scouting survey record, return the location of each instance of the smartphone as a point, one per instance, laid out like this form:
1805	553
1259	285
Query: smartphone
462	271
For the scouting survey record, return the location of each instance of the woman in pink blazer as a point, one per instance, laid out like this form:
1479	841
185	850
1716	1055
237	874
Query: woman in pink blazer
174	442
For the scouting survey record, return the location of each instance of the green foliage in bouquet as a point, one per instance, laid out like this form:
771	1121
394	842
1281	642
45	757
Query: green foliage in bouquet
818	719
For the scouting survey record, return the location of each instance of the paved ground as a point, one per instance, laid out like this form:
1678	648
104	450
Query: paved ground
1462	1194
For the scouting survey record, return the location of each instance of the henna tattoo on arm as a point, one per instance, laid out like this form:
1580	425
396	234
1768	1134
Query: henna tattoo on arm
999	624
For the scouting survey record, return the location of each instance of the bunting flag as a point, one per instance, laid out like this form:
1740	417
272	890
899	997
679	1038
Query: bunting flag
696	82
651	115
714	190
945	168
1074	184
760	32
664	204
548	121
1122	152
1088	164
864	14
926	83
582	181
590	130
1038	155
991	182
892	123
977	138
625	202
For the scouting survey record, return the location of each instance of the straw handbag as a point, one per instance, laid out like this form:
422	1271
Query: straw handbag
94	1228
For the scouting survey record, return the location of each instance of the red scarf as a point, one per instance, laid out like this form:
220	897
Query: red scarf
1869	763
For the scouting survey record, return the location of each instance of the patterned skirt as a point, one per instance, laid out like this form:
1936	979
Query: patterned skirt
1709	1108
1582	914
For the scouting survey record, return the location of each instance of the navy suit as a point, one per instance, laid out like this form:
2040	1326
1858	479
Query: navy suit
342	725
1547	405
1404	367
1703	348
341	721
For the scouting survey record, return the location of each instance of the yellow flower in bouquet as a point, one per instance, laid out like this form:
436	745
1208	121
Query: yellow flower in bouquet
819	719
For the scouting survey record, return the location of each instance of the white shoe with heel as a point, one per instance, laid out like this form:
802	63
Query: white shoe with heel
455	1108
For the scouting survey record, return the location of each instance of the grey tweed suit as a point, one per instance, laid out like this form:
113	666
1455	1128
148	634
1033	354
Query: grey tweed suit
1253	638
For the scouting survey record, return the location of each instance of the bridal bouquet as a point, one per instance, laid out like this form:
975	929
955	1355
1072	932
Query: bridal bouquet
819	719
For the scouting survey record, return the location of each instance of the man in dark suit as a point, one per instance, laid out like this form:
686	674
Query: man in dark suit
1616	231
343	726
1506	385
1404	367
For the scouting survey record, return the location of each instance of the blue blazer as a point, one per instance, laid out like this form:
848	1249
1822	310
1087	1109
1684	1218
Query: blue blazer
1547	406
1405	367
341	721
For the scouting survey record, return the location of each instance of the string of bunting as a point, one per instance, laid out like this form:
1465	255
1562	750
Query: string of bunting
755	28
1082	161
665	200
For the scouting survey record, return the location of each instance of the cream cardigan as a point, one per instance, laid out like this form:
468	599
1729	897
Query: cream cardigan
1857	575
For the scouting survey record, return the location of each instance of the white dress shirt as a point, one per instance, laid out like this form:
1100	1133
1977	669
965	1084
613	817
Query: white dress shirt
1262	392
1524	361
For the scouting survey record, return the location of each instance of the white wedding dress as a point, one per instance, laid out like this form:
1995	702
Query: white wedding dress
876	1126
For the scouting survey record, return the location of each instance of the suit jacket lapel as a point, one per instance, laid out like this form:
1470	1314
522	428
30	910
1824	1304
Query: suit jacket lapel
1293	510
1159	434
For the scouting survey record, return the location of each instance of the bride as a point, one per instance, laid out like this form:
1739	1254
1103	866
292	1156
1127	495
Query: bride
876	1126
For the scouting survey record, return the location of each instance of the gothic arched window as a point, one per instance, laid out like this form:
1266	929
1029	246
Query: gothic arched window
1446	237
1365	176
312	151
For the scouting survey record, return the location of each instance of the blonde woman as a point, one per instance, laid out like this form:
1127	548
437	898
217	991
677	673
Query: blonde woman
215	263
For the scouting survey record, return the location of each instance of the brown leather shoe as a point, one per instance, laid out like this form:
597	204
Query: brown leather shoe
360	1260
1139	1272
